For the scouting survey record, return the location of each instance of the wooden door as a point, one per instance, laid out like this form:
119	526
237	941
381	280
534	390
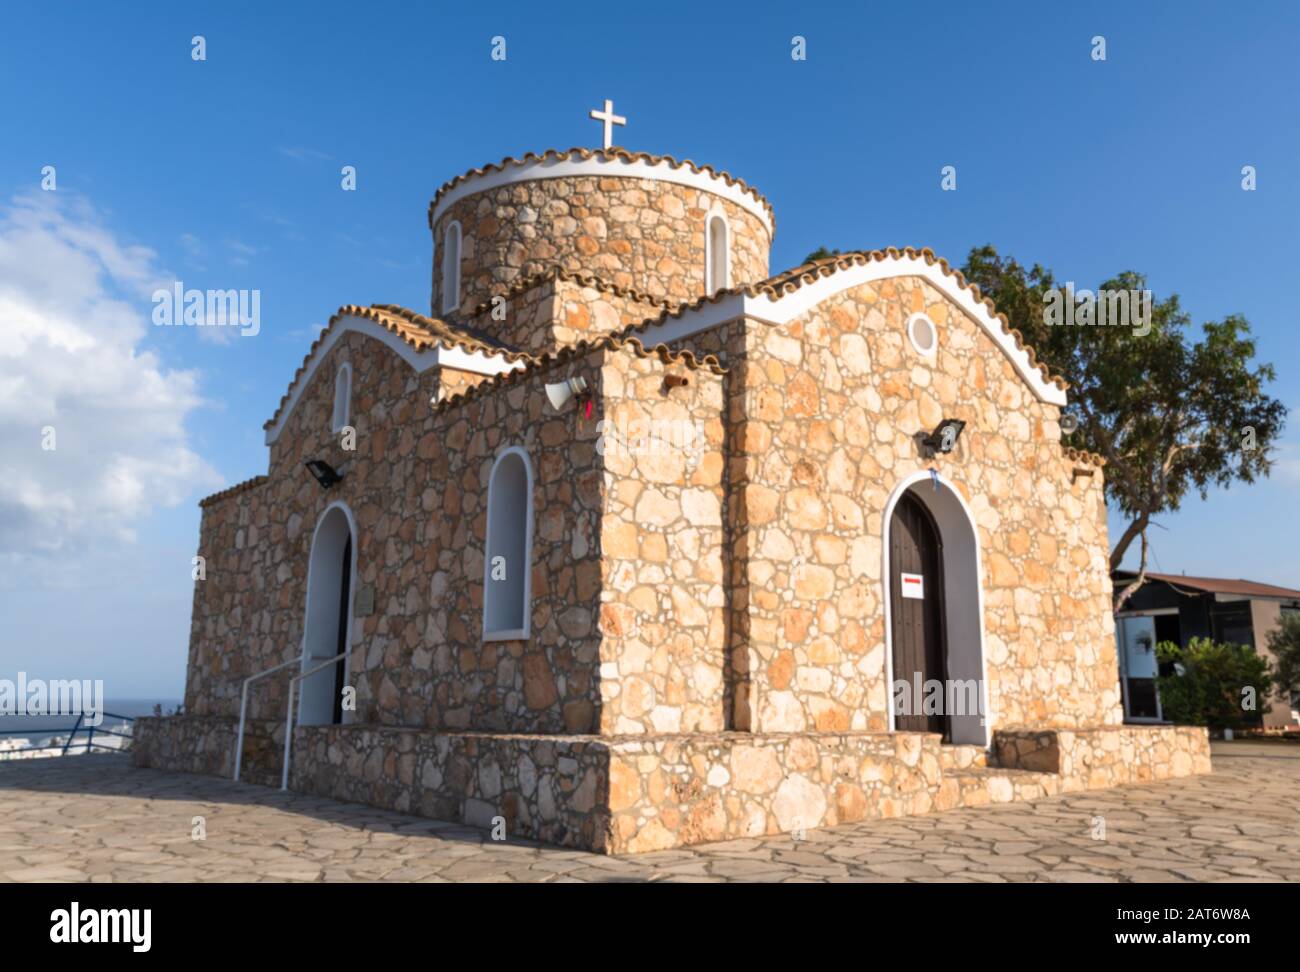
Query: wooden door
916	610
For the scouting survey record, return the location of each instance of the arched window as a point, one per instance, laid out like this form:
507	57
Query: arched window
717	261
451	268
342	398
507	568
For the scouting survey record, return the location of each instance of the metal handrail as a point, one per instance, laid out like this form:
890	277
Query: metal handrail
243	707
288	717
89	741
69	742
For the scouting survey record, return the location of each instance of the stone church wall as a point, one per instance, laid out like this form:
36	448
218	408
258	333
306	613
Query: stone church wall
640	234
663	599
417	486
560	309
550	682
831	404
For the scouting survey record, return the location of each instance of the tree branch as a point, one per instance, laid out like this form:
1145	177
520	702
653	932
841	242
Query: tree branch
1137	581
1135	529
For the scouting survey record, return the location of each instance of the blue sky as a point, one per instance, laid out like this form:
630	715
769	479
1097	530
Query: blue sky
225	174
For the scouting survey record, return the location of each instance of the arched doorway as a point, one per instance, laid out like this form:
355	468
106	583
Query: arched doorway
331	579
934	613
917	616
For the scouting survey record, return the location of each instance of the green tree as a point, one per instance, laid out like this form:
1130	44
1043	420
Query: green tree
1170	414
1284	643
1217	685
821	253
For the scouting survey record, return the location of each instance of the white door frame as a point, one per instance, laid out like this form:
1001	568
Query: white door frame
923	476
352	597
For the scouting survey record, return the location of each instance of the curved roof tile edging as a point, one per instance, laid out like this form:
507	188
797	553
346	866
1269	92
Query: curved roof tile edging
568	353
615	153
790	281
1079	455
582	279
230	491
414	329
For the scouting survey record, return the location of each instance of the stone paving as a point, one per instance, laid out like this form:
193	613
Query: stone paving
98	819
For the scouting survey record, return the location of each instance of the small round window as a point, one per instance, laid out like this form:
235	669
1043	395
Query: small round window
922	333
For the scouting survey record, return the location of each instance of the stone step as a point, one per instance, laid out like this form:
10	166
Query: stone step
982	785
960	757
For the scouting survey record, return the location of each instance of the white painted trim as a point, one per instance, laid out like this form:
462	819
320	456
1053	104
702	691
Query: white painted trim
602	166
352	598
421	361
506	634
510	634
789	306
1121	649
912	321
902	486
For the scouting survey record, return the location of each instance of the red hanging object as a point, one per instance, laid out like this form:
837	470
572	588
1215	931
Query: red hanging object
588	414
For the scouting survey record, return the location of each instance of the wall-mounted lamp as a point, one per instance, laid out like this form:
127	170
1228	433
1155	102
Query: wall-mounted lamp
944	437
560	392
324	473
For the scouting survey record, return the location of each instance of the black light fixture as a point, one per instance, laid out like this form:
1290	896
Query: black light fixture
325	473
944	437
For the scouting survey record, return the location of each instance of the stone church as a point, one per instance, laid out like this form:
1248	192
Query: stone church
630	543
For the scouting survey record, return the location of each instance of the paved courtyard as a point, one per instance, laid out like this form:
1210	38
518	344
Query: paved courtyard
98	819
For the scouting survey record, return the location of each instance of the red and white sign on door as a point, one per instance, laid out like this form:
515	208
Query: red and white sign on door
913	586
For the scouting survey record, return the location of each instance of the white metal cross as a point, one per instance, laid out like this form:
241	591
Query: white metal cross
610	119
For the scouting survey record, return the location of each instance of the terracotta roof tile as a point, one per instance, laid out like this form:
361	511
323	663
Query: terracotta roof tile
449	333
610	153
569	352
415	329
584	280
791	280
230	491
1079	455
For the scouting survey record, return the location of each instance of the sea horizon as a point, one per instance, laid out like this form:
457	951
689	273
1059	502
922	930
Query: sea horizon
39	728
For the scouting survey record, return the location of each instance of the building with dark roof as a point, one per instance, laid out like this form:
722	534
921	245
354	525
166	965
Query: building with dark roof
1175	607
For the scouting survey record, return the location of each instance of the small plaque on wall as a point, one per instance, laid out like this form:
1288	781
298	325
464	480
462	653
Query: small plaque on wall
913	586
365	601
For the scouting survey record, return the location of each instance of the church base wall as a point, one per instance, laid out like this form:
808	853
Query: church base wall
633	794
546	788
1104	756
206	744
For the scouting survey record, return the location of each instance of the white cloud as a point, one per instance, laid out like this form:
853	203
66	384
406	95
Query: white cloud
1287	465
1286	453
300	153
300	334
194	250
74	315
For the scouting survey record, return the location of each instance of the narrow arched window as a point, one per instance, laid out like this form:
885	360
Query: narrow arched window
507	569
451	268
717	261
342	413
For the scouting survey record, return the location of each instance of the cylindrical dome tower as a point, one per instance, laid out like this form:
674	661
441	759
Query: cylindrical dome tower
647	223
